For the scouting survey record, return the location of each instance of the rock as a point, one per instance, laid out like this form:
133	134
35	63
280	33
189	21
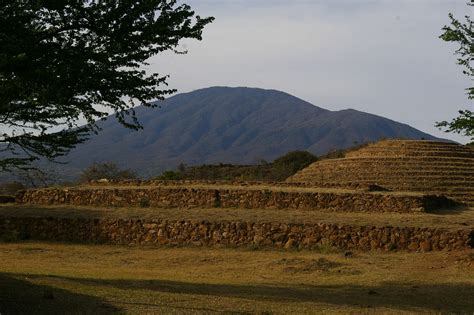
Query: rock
364	242
426	246
289	244
374	244
257	239
413	246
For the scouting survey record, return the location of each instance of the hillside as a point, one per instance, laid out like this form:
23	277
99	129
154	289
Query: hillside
231	125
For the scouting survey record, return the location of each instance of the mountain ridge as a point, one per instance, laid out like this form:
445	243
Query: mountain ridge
238	125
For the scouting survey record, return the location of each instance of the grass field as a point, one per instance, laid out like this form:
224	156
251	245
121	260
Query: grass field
449	219
56	278
261	186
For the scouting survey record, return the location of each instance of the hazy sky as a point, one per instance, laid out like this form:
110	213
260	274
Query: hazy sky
381	57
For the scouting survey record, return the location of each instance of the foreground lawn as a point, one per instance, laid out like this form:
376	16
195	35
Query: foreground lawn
59	278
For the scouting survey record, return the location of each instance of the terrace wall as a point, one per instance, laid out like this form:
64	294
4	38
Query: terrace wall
171	197
234	234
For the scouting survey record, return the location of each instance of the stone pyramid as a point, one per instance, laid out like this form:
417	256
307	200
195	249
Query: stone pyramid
399	165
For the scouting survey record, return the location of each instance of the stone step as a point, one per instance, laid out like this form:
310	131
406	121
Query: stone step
412	144
364	172
418	160
396	183
414	147
408	153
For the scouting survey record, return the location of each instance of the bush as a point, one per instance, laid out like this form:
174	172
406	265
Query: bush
280	169
170	175
290	163
144	202
11	188
107	170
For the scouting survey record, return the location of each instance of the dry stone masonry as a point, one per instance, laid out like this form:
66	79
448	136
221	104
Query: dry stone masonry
399	165
432	168
215	197
234	234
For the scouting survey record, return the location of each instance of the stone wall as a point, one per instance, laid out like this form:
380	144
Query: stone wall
171	197
186	182
234	234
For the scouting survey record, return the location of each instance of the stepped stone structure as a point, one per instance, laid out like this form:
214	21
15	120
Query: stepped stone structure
421	176
399	165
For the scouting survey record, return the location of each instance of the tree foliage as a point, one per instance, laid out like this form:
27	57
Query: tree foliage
278	170
66	62
463	34
106	170
292	162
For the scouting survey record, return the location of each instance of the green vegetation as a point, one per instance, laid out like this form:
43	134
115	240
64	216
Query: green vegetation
65	61
220	172
462	34
291	163
107	170
278	170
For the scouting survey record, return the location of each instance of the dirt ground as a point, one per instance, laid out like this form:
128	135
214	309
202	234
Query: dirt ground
48	278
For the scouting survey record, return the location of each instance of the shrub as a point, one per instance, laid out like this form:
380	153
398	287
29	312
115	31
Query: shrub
11	188
144	202
107	170
290	163
170	175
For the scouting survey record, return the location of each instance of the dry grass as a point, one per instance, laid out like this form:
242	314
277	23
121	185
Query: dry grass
55	278
452	219
250	187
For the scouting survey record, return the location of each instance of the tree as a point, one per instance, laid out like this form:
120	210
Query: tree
463	34
66	62
106	170
290	163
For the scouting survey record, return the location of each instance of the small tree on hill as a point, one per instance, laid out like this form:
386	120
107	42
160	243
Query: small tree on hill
107	170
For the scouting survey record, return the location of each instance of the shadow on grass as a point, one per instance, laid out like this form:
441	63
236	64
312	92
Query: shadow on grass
393	295
442	204
458	208
19	296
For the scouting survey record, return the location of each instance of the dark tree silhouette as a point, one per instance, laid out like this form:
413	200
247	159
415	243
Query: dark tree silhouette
63	62
463	34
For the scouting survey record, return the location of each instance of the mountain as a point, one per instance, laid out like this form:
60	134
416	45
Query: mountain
231	125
